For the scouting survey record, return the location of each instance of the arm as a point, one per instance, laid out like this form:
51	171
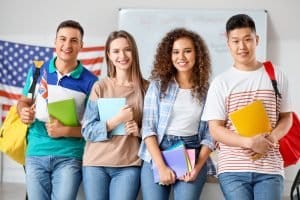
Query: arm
149	132
282	127
125	115
207	146
258	144
56	129
166	175
25	109
93	128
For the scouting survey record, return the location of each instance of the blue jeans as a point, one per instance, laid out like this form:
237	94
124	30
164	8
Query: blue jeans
182	190
111	183
52	177
250	185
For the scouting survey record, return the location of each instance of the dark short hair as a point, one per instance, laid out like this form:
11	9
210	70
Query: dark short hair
70	24
240	21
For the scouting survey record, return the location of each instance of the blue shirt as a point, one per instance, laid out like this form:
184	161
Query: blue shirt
156	115
77	85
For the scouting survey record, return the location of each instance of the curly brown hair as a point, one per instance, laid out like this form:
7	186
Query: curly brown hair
165	71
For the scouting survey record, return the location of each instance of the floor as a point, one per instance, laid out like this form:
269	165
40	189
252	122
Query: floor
12	191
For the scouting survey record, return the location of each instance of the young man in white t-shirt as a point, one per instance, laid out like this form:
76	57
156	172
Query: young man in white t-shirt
241	176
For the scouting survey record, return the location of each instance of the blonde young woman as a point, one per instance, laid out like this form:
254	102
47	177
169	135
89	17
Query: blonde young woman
111	167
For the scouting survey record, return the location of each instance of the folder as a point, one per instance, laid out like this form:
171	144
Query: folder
110	107
191	158
64	111
251	119
177	158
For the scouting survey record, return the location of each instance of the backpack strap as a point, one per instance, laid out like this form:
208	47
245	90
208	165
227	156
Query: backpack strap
37	66
270	71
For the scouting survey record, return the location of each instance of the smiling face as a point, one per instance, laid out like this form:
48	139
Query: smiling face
183	55
242	43
120	54
68	43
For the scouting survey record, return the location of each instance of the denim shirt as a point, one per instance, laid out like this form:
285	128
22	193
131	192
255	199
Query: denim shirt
93	129
156	116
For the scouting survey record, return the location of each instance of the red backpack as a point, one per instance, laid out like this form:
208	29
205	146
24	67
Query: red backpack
289	145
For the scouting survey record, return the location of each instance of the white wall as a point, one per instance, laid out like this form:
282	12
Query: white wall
35	22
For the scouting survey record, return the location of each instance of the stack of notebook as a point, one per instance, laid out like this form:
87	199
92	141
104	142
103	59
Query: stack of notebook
178	158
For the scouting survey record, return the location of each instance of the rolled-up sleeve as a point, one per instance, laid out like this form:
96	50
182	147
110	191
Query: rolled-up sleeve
93	129
151	110
205	136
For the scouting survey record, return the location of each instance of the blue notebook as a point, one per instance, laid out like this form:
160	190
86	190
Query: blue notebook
110	107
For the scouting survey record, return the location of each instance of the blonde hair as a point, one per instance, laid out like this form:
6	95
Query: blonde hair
135	75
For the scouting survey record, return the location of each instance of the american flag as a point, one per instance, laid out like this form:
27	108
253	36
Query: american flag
16	59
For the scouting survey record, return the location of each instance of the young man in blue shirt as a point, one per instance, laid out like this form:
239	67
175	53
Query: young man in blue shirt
54	150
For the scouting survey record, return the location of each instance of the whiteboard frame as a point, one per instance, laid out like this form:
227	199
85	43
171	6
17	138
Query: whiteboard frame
148	26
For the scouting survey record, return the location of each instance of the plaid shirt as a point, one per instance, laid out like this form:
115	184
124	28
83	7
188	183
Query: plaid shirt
157	112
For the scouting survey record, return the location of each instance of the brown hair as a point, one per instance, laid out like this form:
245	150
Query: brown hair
140	84
164	70
71	24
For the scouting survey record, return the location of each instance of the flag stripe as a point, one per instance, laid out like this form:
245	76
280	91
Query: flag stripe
9	95
92	61
87	49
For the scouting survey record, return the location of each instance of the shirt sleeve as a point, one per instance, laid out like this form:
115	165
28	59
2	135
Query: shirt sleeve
151	110
205	136
282	81
93	129
215	105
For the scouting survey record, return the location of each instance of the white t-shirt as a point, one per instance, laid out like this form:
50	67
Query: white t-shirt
185	115
234	89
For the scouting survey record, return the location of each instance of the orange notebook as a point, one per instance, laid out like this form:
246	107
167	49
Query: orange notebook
251	119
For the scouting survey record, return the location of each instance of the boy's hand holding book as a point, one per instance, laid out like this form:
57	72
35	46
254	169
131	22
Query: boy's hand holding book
259	146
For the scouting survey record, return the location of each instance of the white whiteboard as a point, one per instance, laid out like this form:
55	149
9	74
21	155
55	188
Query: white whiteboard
148	26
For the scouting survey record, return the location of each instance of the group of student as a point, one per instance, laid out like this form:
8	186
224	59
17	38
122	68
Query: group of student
177	104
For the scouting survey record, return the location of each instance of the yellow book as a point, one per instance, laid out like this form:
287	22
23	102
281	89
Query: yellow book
251	119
